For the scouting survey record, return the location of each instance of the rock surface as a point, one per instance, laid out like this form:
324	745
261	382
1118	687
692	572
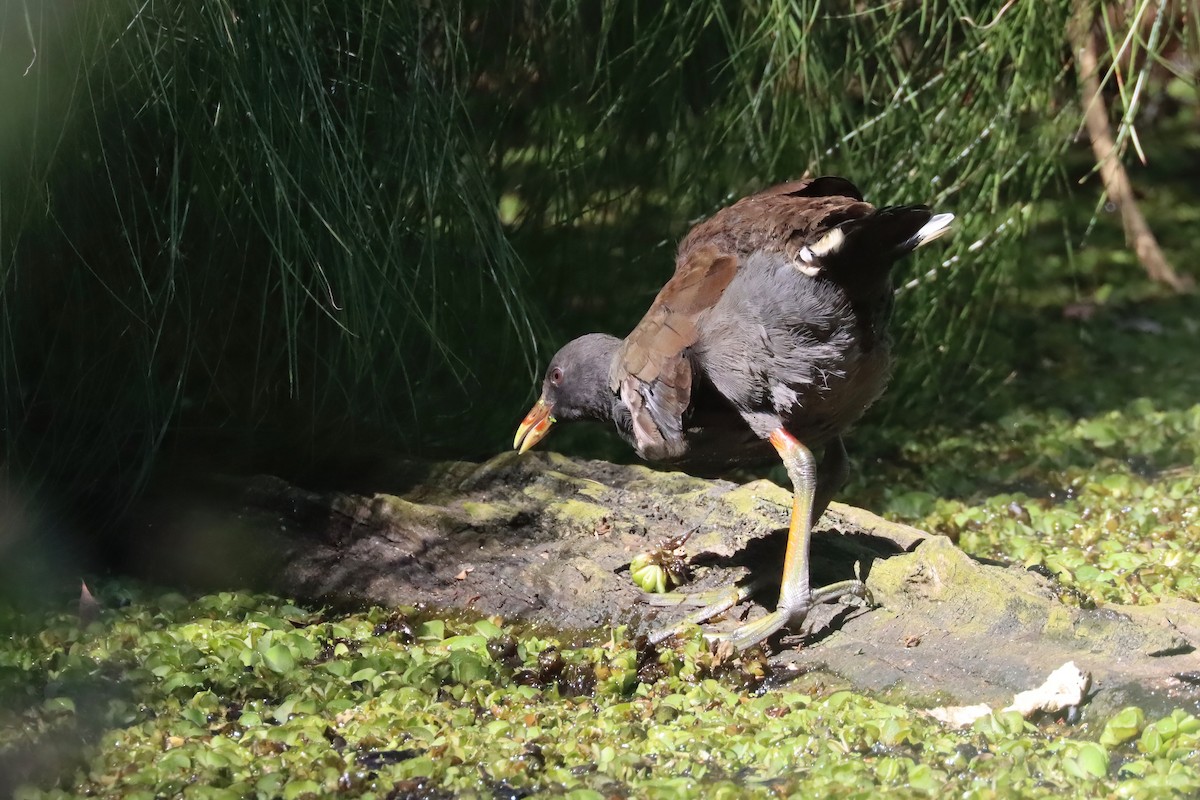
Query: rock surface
548	538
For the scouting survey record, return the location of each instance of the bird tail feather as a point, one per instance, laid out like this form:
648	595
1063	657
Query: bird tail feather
937	227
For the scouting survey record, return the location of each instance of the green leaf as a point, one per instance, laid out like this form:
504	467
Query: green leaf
1123	726
467	667
1093	759
296	788
279	658
584	794
1153	743
488	629
339	668
284	710
474	643
179	680
59	704
889	770
432	629
1187	723
270	784
1100	432
922	778
174	761
911	505
213	793
194	715
210	759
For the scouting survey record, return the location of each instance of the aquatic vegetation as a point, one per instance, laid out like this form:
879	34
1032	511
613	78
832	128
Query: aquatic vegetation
238	695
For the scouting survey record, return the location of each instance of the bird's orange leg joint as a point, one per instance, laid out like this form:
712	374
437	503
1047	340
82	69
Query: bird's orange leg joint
795	591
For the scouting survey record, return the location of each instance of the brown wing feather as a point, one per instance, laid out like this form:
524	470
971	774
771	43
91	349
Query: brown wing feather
652	373
783	218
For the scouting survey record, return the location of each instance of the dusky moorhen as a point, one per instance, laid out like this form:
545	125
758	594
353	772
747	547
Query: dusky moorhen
770	334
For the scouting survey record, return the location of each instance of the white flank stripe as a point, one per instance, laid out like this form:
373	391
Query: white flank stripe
828	243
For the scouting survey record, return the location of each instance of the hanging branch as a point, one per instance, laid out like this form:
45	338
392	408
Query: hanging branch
1117	186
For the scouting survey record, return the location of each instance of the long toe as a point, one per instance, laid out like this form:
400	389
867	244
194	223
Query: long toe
843	589
759	630
718	599
719	602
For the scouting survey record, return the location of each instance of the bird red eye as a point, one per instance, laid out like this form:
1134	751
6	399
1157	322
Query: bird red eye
555	375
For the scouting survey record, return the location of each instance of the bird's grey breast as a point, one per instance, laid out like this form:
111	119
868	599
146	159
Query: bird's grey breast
789	345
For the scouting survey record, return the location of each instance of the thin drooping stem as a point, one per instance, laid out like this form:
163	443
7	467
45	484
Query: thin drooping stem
1117	186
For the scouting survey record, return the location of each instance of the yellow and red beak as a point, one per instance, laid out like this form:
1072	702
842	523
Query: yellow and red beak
535	425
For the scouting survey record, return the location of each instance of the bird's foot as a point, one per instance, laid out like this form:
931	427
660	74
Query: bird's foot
712	604
761	629
792	616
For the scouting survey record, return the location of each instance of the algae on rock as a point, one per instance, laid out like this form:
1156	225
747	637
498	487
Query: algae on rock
547	538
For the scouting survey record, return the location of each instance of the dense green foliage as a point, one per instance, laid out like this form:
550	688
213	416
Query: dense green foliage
1088	458
241	696
279	228
285	229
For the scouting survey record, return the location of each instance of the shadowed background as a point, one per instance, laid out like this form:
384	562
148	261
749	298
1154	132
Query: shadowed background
295	237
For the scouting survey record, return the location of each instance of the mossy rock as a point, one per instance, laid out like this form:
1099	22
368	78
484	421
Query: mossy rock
548	538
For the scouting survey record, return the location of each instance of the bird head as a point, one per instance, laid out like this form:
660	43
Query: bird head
576	386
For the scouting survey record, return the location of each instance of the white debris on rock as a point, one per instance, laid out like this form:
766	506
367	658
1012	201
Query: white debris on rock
1065	687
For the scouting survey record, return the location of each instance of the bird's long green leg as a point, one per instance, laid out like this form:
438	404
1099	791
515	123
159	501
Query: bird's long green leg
813	488
796	597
